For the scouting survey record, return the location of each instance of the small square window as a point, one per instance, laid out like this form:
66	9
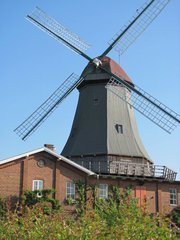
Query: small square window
70	190
96	101
119	128
103	191
38	185
173	196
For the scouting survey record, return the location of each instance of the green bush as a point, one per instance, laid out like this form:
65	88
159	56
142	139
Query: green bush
111	219
175	216
3	207
30	198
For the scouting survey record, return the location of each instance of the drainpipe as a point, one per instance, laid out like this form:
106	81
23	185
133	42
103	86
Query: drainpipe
157	197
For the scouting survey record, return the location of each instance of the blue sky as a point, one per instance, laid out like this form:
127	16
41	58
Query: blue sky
33	65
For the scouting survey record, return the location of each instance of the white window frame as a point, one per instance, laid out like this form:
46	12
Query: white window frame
103	191
173	196
38	185
70	190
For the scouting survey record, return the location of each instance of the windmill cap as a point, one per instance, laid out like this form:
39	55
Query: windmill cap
112	66
97	74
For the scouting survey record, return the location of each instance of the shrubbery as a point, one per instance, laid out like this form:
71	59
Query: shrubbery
3	207
175	216
31	198
116	218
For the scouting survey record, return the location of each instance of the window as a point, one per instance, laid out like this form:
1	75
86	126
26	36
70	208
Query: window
103	191
119	128
38	185
95	101
173	196
70	190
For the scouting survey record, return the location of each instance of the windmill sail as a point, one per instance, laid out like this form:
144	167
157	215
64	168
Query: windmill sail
25	129
147	105
58	31
136	26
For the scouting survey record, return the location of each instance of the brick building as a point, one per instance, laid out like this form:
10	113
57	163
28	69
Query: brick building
45	169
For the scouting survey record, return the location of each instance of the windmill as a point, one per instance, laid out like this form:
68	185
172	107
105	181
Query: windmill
117	82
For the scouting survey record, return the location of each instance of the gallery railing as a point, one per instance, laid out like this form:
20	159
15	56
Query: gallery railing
146	170
129	169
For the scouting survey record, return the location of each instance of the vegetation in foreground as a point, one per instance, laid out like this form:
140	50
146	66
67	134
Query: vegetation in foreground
117	218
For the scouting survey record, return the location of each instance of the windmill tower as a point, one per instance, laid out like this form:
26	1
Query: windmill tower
104	130
104	134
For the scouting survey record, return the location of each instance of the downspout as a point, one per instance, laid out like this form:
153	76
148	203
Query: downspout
157	197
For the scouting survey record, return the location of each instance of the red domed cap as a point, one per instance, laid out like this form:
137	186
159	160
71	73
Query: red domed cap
113	67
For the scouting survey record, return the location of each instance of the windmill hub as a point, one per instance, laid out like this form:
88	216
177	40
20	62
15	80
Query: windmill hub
97	62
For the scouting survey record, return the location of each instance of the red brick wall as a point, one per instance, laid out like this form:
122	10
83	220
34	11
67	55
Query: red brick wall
10	179
68	173
18	175
155	193
165	196
34	172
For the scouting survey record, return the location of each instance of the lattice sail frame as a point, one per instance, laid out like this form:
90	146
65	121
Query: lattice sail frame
25	129
139	26
147	105
57	30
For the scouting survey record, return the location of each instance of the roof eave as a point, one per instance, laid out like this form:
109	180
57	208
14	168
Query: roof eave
60	157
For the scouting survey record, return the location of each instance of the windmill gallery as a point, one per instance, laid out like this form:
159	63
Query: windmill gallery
104	147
